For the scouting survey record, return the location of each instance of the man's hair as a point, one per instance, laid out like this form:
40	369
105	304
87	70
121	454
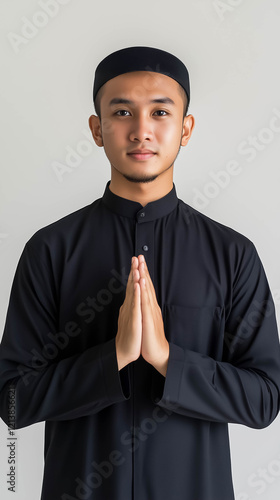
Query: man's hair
185	99
97	102
100	93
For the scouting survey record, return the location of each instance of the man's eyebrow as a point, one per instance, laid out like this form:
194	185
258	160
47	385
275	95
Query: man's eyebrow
160	100
163	100
119	100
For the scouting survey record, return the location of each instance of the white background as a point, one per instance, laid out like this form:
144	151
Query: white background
231	49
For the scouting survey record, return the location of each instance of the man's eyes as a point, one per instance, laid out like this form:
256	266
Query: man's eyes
120	112
159	112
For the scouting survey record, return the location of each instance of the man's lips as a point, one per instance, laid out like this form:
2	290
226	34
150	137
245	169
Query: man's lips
142	154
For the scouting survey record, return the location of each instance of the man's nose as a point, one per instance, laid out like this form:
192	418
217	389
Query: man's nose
141	130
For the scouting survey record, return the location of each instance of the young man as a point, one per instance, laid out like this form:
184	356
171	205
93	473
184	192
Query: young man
137	327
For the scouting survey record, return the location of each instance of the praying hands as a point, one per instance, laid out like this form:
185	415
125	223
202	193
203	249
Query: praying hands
140	323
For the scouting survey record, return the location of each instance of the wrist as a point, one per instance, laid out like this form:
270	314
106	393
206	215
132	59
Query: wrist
161	364
121	360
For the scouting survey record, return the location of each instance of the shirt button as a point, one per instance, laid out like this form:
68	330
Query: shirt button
145	247
142	214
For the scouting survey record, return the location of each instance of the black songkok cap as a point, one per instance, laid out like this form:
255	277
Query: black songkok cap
141	59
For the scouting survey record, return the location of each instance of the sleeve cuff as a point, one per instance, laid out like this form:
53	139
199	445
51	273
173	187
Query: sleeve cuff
165	390
117	383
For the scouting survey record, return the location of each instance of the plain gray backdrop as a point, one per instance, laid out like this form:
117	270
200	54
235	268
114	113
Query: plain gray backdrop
50	165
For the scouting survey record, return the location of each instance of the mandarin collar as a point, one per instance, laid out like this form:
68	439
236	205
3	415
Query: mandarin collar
134	209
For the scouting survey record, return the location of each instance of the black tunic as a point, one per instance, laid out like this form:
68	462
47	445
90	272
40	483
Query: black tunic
134	434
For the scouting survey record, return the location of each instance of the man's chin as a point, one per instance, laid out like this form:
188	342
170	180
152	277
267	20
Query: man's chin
140	178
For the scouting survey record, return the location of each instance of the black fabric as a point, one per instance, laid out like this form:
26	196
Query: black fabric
134	434
141	59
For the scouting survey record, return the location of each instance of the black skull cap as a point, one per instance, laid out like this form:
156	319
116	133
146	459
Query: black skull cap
141	59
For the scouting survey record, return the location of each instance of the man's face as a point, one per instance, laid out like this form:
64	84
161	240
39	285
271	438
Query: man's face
141	111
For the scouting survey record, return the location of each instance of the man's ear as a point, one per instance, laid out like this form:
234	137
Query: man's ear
188	126
95	127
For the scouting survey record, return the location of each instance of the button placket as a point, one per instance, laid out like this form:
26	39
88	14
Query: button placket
144	240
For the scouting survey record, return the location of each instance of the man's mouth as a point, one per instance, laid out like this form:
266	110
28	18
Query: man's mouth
141	154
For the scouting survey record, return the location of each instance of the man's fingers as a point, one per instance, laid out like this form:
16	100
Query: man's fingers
134	262
136	295
144	273
133	277
134	269
145	305
129	284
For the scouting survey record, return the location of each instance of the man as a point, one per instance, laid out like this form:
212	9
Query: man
137	327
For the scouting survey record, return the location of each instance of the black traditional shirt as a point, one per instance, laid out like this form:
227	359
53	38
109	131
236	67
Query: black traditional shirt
134	434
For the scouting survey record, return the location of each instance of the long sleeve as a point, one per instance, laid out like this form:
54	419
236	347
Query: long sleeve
48	384
133	432
244	386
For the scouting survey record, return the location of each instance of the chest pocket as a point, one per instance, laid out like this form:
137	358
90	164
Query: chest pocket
200	329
